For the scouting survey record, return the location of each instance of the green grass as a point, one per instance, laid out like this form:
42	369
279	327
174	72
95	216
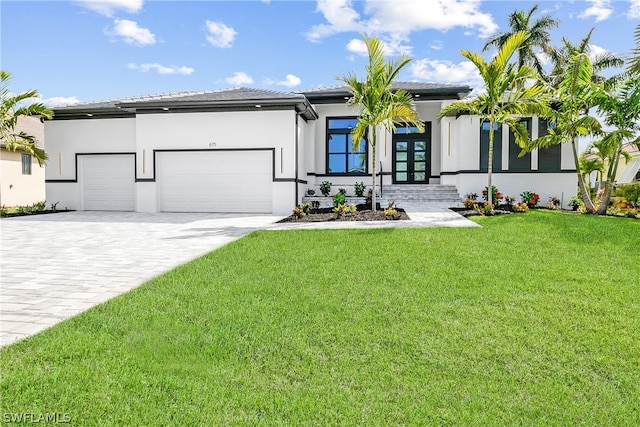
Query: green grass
531	320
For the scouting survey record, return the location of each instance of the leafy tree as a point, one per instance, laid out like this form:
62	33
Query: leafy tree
10	110
506	96
379	104
621	109
539	36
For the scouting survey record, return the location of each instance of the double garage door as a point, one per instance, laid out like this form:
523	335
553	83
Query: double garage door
215	181
186	181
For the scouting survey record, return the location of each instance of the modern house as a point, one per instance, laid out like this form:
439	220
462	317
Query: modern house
21	177
250	150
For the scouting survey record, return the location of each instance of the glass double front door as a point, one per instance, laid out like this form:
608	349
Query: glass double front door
411	158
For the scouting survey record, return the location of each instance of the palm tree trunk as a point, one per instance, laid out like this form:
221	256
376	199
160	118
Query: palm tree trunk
373	169
608	185
490	166
586	198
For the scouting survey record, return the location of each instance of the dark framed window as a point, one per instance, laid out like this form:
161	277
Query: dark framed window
26	164
519	164
484	147
342	156
549	159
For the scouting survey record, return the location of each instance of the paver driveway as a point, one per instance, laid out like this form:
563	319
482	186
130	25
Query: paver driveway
55	266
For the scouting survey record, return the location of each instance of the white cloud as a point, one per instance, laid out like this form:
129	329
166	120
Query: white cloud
161	69
397	19
600	10
132	33
239	78
391	46
595	51
290	81
108	7
56	101
634	9
220	35
60	101
443	71
437	45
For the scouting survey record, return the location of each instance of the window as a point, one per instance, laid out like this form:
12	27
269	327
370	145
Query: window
517	163
484	147
342	157
549	159
26	164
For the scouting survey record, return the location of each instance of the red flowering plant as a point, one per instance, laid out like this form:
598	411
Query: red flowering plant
496	196
530	198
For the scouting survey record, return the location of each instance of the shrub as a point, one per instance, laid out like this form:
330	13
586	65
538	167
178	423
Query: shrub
470	203
553	203
39	206
359	188
339	199
509	200
496	196
520	207
391	213
325	188
311	192
574	203
343	191
302	210
471	196
530	198
344	209
630	193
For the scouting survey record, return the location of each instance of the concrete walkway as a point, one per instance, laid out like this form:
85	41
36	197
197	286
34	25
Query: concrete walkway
53	267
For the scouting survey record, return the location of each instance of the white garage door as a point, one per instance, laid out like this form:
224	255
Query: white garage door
108	182
215	181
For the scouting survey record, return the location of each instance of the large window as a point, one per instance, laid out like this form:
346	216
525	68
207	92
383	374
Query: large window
517	163
549	159
342	156
26	164
484	147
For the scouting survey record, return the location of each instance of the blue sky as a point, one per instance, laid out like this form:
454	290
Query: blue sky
74	51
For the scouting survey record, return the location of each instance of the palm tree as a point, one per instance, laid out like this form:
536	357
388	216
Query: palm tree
10	110
591	161
621	109
379	105
633	63
560	57
539	36
505	98
574	94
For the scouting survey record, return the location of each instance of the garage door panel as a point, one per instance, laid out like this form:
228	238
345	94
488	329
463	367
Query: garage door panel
218	181
108	182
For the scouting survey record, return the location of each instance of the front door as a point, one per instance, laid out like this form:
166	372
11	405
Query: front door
411	157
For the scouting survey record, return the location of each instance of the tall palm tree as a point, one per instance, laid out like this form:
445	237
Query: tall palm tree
10	110
633	62
574	94
621	109
505	98
560	58
379	105
539	36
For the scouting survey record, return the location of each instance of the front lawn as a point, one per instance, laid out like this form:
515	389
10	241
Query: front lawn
531	320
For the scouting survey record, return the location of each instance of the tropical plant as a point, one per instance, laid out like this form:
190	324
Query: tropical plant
530	198
574	95
633	62
339	199
621	109
325	188
359	188
562	57
379	104
590	162
496	196
507	96
11	108
539	37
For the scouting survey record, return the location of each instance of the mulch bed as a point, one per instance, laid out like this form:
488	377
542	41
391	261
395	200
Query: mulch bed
362	214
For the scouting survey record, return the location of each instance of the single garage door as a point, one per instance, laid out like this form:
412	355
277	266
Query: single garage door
108	182
215	181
